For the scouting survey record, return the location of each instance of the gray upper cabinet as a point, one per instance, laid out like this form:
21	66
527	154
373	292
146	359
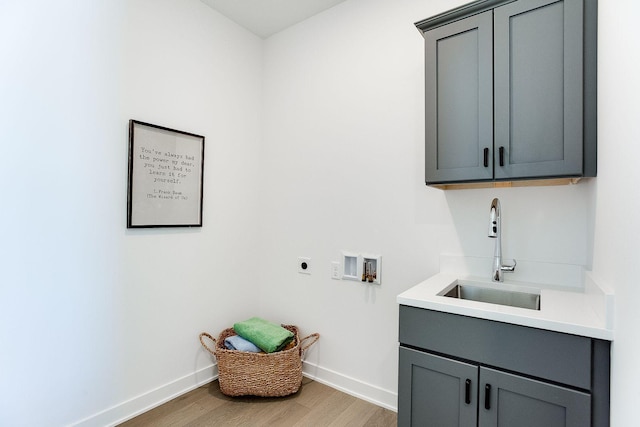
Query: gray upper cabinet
459	100
538	92
510	91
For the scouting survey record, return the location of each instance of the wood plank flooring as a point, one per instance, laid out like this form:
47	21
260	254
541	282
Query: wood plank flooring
313	405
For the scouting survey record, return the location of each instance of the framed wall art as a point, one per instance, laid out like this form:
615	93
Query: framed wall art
165	177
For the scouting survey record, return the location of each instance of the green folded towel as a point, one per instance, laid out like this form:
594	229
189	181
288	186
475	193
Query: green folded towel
266	335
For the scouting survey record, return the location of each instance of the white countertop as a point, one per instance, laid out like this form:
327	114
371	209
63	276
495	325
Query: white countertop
587	311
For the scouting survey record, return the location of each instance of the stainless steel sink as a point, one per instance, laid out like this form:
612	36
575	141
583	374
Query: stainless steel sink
510	298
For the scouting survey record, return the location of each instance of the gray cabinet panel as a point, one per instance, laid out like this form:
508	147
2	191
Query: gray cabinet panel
442	392
517	401
538	91
459	94
432	391
544	354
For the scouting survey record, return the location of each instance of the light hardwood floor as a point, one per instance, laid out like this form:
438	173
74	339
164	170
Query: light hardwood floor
313	405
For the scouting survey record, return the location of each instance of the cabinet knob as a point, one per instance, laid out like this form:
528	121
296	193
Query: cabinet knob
467	391
501	151
486	157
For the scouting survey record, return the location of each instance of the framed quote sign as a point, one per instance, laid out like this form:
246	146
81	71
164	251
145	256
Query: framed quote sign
165	177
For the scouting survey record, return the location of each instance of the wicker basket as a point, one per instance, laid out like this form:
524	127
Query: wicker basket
242	373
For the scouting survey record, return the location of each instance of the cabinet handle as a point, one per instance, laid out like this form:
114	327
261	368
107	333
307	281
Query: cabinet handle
486	157
501	156
467	391
487	396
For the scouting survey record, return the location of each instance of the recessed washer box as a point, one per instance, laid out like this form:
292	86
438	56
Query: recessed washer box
351	266
363	268
371	269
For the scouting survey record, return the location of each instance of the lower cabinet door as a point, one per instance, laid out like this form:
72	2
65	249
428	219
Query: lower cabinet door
435	391
512	400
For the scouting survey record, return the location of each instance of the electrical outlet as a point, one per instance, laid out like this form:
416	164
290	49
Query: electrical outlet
304	265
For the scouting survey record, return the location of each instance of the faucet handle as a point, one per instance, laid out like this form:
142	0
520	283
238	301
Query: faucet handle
509	268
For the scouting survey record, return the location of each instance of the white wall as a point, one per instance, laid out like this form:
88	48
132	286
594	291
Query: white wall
93	315
617	223
343	160
314	145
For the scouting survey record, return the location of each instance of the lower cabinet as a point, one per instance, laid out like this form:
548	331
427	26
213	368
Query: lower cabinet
443	392
436	391
460	371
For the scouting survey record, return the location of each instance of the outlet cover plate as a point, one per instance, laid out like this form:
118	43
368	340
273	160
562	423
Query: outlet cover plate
304	265
336	270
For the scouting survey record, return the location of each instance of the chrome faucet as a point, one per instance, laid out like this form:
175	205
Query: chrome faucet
495	232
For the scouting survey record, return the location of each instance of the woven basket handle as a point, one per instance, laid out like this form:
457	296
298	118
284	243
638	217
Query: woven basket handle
206	335
315	337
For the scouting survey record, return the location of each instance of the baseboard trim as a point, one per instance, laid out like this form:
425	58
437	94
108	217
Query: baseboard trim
376	395
140	404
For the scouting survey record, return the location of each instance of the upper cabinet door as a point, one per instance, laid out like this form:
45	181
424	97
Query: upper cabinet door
459	100
538	89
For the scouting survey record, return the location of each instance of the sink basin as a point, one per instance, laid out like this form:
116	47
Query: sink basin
508	297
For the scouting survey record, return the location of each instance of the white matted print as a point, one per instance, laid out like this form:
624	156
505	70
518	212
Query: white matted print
165	177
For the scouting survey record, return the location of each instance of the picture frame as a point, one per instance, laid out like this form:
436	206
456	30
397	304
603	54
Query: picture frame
166	176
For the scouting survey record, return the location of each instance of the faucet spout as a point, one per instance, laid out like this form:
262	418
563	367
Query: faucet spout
495	232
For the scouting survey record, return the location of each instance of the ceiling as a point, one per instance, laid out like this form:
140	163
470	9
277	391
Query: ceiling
267	17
